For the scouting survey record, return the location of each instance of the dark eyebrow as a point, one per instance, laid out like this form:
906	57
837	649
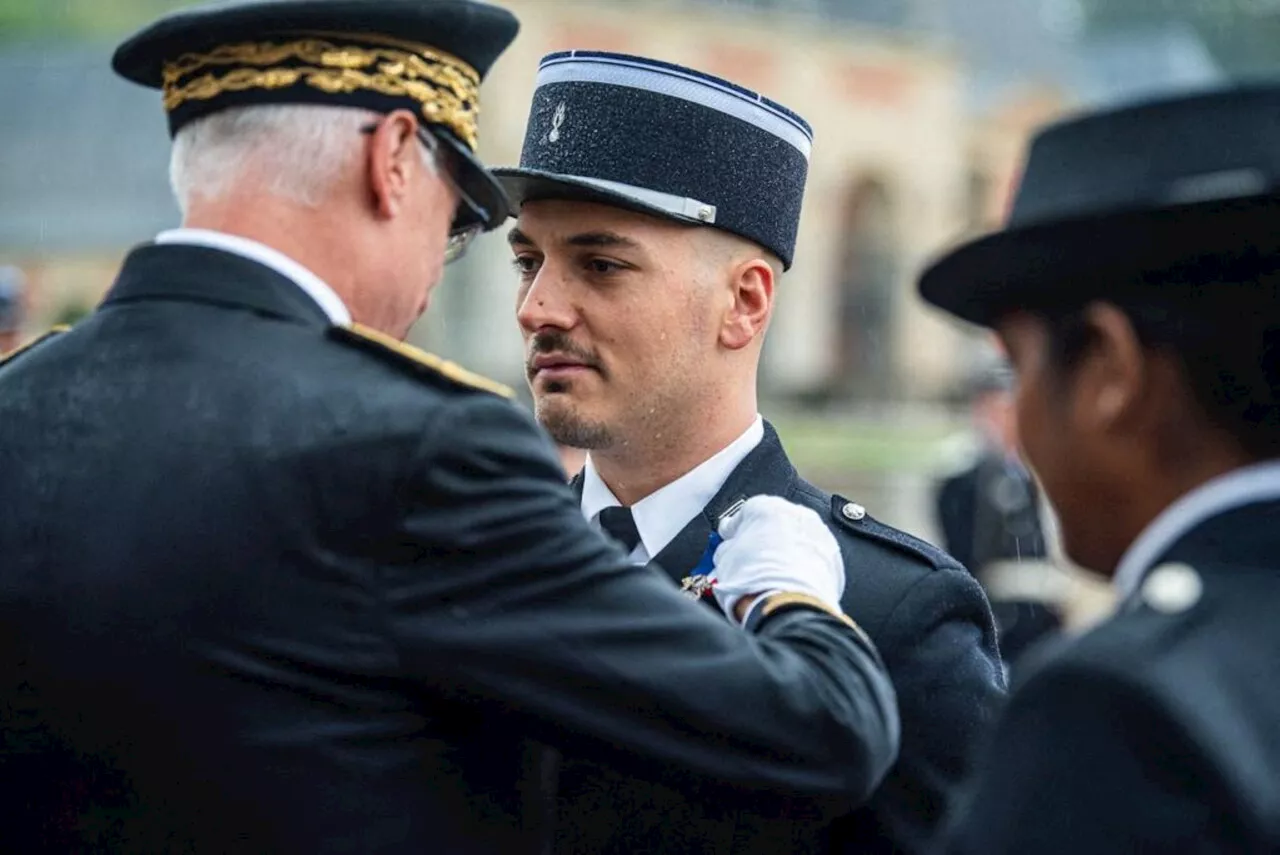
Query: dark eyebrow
597	240
602	239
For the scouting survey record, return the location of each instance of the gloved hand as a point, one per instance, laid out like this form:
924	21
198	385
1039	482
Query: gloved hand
773	545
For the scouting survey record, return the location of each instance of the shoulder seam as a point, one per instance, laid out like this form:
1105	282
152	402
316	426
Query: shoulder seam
906	595
382	343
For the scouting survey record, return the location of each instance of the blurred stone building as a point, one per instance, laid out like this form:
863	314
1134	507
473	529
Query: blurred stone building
919	129
83	180
887	182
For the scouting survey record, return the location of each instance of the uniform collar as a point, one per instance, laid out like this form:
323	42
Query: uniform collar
1249	485
662	515
311	284
203	275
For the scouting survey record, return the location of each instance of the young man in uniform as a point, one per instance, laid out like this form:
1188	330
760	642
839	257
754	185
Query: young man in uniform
658	210
1137	290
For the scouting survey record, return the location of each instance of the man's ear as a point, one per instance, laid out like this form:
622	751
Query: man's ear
391	158
751	285
1113	378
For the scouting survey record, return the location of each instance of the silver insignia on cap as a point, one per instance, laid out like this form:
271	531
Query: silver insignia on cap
557	119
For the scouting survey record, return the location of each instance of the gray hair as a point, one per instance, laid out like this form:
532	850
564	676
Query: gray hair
296	152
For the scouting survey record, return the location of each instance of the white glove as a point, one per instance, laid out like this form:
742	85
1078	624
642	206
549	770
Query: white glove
773	545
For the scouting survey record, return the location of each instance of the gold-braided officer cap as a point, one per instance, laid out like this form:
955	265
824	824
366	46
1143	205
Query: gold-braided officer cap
427	56
443	89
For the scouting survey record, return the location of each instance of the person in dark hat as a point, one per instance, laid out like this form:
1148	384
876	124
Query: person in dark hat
11	309
1137	290
989	513
274	581
658	209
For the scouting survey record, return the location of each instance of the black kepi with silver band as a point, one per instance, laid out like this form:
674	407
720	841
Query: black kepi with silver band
665	140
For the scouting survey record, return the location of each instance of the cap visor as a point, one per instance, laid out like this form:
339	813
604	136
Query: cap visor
533	185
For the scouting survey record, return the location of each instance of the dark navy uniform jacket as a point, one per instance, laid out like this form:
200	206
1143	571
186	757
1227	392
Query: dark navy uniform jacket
268	585
930	620
1159	731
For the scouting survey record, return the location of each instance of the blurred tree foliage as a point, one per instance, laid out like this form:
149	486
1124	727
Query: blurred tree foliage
1244	35
37	20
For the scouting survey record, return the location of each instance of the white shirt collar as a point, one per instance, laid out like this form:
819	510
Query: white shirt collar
1257	483
662	515
315	287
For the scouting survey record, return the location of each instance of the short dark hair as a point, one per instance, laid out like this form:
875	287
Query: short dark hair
1220	323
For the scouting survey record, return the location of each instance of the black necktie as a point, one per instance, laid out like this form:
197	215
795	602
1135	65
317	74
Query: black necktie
619	524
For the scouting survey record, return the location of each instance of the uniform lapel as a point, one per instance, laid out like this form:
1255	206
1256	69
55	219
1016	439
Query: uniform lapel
685	550
766	470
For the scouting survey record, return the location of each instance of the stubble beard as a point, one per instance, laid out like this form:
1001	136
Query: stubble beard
557	415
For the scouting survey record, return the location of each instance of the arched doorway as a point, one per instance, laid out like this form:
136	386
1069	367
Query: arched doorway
864	365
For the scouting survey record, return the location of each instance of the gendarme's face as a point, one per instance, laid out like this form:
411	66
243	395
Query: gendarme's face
617	328
1059	445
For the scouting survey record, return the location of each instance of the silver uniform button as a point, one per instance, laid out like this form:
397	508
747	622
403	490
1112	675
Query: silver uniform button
853	511
1172	588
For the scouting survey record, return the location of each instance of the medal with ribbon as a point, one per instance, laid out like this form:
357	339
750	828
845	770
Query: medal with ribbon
701	582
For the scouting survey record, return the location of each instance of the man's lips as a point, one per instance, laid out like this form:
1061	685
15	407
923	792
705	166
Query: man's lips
552	364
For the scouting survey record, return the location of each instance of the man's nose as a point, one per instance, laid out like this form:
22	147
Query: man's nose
546	304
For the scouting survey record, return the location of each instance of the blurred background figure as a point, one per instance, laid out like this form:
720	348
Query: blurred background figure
12	291
989	516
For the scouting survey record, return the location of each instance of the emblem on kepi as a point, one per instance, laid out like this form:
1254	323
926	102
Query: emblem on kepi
557	119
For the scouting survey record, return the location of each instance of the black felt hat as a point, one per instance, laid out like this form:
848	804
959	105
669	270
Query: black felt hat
666	140
1119	199
428	56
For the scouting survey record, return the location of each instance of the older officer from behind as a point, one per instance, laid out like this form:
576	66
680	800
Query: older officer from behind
273	581
1137	288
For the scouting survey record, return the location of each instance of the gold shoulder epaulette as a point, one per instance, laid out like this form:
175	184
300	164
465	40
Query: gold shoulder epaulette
383	344
40	339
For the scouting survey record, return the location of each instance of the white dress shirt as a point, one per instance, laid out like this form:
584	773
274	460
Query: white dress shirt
315	287
663	514
1258	483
